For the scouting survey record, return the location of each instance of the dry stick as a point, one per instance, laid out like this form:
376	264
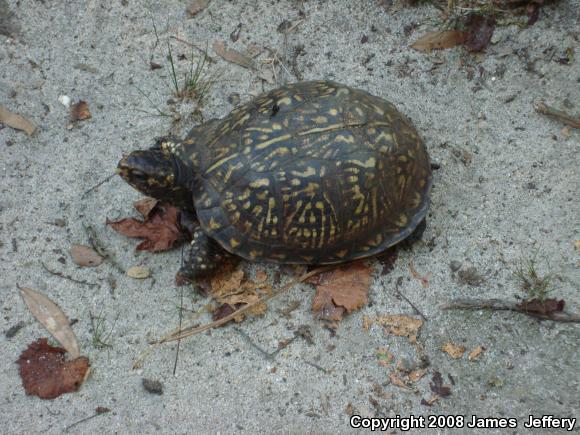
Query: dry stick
70	278
99	184
566	118
178	334
500	305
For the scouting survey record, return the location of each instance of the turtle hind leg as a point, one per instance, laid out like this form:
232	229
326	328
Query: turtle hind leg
202	259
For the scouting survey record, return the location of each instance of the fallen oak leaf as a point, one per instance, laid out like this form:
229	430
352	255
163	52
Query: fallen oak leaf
439	40
341	290
51	316
85	256
160	227
232	55
16	121
46	374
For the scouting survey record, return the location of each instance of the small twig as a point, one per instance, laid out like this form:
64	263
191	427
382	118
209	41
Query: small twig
70	278
316	366
501	305
408	301
180	322
98	246
189	44
96	186
264	352
100	410
566	118
178	334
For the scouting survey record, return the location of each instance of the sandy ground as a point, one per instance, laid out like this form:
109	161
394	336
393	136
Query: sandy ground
505	189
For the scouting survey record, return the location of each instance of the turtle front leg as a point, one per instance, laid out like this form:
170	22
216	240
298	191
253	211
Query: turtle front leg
203	258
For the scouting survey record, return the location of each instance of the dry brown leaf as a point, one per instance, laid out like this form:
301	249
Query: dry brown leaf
342	289
396	380
230	289
455	351
439	40
46	374
85	256
430	401
475	353
160	228
478	31
139	272
232	56
424	279
52	318
416	375
16	121
145	206
403	326
196	6
80	111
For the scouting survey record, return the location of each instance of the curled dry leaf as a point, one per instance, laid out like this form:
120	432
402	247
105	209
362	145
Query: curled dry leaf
80	111
16	121
46	374
439	40
85	256
196	6
403	326
52	318
416	375
341	290
232	291
455	351
478	31
475	353
232	56
139	272
160	227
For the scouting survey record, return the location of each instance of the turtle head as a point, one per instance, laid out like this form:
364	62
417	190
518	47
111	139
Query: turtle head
157	173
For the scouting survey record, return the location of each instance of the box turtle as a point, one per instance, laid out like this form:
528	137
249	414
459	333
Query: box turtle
313	173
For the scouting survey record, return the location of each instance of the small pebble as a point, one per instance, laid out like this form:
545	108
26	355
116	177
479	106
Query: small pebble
153	387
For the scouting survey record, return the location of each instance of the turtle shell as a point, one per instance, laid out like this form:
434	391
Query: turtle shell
313	172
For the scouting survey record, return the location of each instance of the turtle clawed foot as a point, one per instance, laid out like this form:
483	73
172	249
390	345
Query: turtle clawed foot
203	258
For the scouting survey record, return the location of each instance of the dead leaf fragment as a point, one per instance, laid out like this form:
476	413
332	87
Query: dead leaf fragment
544	307
402	326
437	386
475	353
16	121
479	30
439	40
139	272
46	374
341	290
385	357
232	55
455	351
52	318
396	380
85	256
416	375
160	227
196	6
261	275
80	111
